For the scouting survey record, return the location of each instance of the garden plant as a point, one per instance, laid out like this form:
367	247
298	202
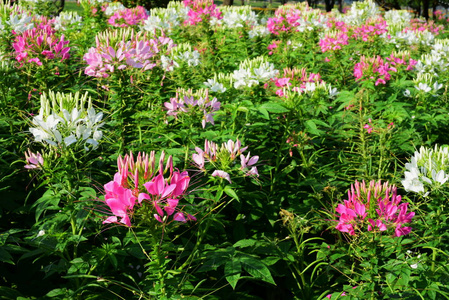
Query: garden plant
211	152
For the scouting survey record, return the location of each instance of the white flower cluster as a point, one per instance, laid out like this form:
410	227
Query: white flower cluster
361	11
166	19
215	86
17	22
437	61
236	17
67	20
426	83
408	37
251	72
184	52
181	53
397	18
258	31
63	121
113	7
426	170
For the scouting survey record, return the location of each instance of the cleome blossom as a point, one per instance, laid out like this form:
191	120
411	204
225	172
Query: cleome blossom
124	49
427	170
39	44
187	102
373	207
225	157
63	121
142	184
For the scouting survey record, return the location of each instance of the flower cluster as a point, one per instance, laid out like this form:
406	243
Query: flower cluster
252	72
225	157
63	121
427	170
166	19
66	20
125	50
373	68
186	102
333	40
374	207
372	28
237	17
128	17
37	44
184	53
138	183
201	11
299	81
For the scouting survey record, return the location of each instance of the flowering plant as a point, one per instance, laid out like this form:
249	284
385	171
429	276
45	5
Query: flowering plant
373	207
140	188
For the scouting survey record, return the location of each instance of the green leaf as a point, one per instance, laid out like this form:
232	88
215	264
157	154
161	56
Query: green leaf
245	243
231	193
264	113
257	269
233	268
312	128
273	107
49	200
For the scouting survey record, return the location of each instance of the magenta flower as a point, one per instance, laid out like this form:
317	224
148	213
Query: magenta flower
201	11
139	181
333	41
376	207
40	44
129	17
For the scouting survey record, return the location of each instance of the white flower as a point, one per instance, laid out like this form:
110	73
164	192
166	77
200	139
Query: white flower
406	93
423	87
437	86
414	266
41	233
215	86
20	25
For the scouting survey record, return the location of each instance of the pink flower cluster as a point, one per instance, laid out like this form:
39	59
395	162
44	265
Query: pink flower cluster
138	183
333	41
373	68
333	23
400	60
373	207
139	52
372	28
201	10
417	25
282	24
128	17
295	79
226	154
189	105
38	44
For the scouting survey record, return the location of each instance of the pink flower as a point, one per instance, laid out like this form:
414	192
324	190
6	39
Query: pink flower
34	160
222	174
368	128
376	207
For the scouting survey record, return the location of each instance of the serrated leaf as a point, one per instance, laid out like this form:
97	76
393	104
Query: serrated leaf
233	269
